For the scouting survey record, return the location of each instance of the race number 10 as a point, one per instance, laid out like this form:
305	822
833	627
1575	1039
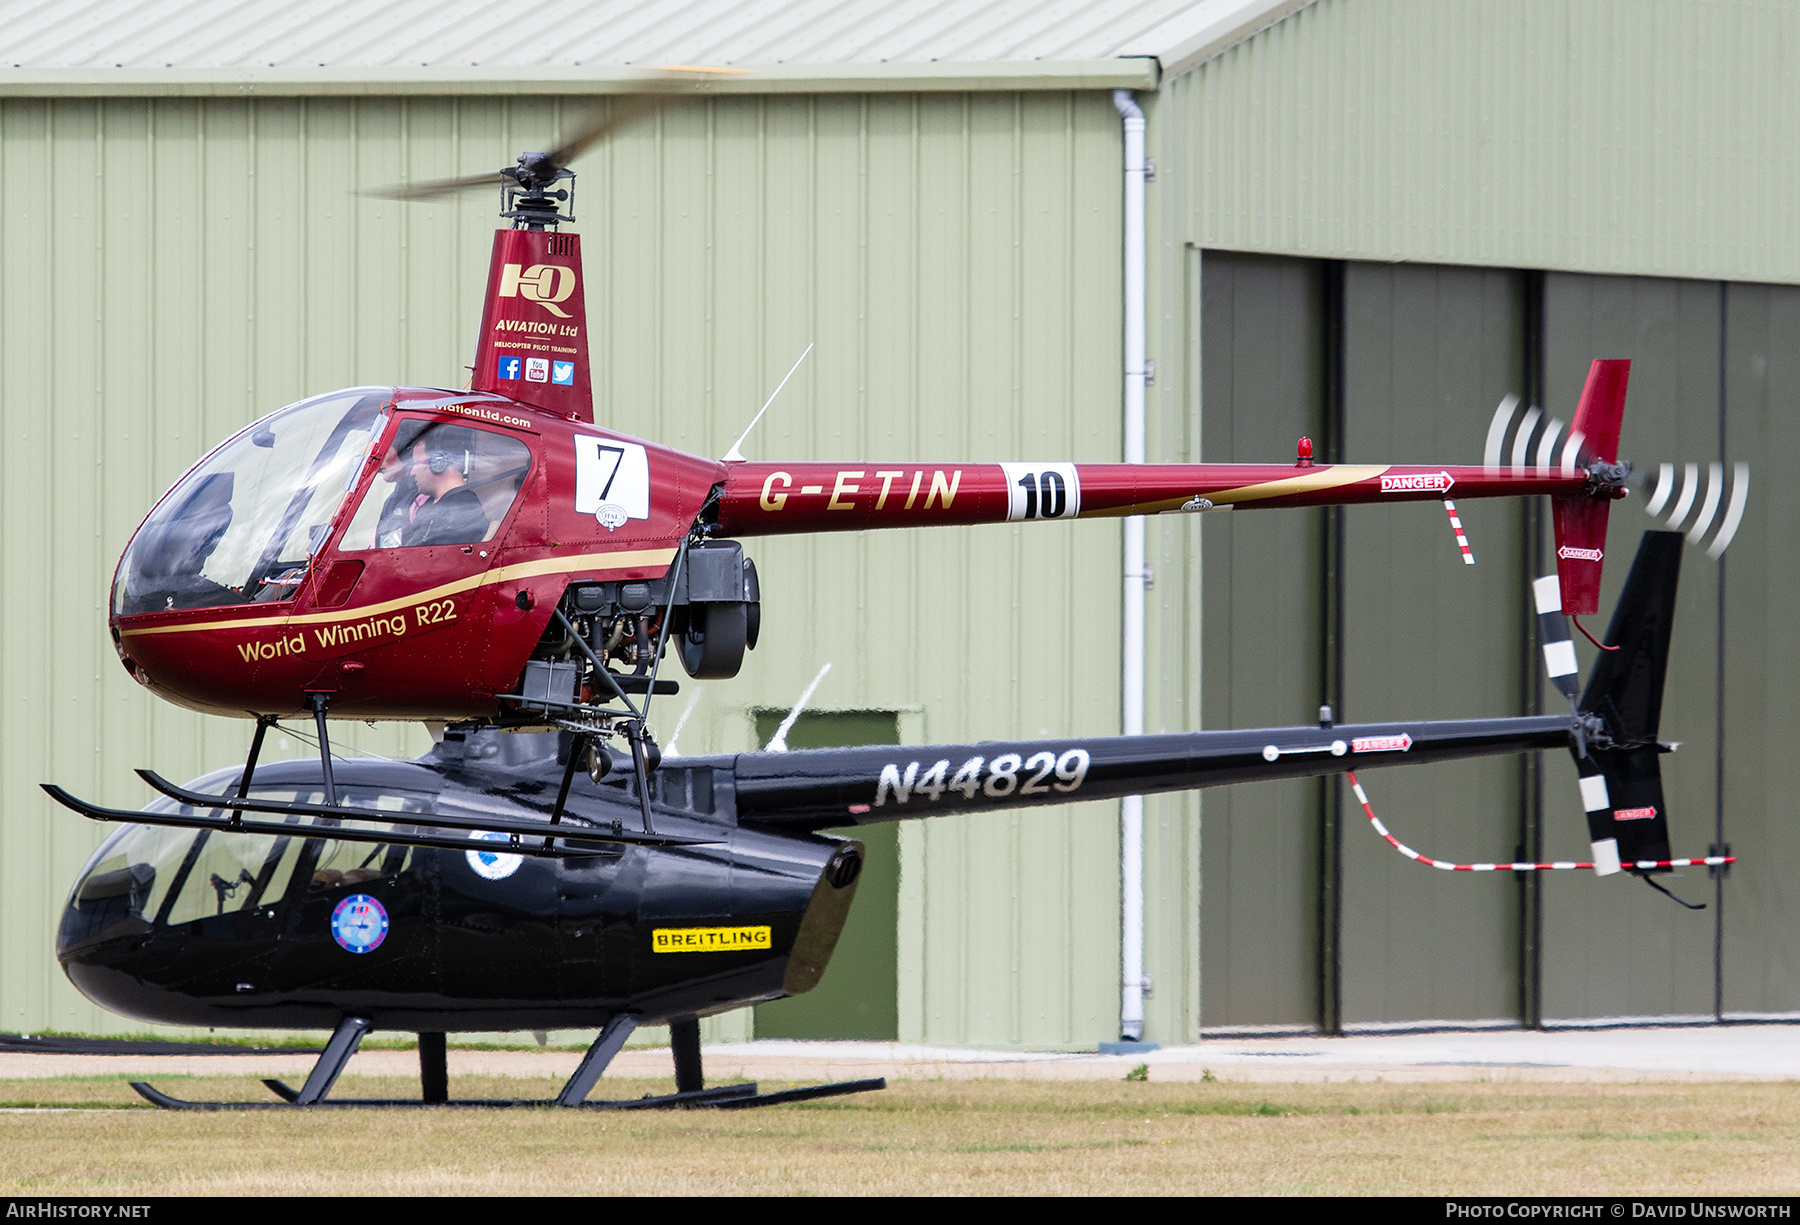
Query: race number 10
1042	491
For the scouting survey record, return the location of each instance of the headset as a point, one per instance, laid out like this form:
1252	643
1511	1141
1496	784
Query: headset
439	462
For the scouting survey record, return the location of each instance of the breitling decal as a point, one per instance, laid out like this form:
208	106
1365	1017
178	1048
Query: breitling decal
709	939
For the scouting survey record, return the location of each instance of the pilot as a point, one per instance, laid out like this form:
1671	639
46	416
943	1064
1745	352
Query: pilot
445	510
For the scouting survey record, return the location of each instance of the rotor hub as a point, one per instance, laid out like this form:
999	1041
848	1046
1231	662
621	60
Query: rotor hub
526	198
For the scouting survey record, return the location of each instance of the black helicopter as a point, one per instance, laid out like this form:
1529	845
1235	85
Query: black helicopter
493	884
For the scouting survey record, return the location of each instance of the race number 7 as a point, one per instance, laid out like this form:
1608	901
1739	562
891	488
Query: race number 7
1042	491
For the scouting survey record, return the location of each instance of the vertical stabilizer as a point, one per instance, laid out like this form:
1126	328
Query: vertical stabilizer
1580	519
1621	776
533	341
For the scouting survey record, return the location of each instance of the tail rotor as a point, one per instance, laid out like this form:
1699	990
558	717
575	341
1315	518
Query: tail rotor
1704	501
1675	491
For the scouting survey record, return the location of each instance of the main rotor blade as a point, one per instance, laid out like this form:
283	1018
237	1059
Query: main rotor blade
628	109
434	189
625	110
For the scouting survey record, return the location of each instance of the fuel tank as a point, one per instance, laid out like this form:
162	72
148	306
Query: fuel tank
243	930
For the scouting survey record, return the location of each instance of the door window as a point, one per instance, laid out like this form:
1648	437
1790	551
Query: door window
441	482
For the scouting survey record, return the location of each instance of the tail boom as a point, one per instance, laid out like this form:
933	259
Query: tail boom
760	499
823	788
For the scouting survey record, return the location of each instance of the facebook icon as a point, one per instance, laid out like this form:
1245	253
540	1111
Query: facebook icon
506	366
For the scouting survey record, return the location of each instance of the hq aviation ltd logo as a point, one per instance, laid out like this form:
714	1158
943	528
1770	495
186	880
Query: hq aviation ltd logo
359	923
545	284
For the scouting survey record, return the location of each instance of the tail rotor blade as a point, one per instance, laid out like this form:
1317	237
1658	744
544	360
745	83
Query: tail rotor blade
1571	455
1734	513
1715	477
1547	445
1690	485
1522	439
1665	485
1681	485
1496	435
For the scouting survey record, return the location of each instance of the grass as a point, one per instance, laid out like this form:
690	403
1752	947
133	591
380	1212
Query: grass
923	1137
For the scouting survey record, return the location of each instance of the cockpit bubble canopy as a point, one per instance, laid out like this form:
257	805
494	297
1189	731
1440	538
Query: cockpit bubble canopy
242	525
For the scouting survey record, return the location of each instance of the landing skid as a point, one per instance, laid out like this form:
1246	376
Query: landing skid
724	1097
522	827
525	836
690	1094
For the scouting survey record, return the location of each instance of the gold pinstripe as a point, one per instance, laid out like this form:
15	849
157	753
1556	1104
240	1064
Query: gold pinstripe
1334	477
623	560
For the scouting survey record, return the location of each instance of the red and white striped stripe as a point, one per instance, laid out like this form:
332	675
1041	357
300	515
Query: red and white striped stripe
1462	541
1562	865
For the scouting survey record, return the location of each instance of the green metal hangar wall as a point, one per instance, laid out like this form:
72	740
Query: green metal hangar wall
932	200
1374	219
1367	222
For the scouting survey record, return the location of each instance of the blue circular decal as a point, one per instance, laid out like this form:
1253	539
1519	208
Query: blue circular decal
359	923
493	865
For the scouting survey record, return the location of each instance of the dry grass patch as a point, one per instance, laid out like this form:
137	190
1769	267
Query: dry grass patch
924	1137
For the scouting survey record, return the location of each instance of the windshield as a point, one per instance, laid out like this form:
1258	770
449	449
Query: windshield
145	876
241	527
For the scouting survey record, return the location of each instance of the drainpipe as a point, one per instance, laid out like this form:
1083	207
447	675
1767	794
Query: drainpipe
1131	808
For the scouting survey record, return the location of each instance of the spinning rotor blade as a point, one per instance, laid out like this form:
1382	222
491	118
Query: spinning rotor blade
1691	498
1678	490
1538	441
434	189
625	110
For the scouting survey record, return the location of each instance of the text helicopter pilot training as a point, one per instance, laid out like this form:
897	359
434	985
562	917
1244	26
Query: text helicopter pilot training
493	557
493	885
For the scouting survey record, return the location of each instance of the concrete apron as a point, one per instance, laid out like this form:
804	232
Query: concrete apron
1737	1052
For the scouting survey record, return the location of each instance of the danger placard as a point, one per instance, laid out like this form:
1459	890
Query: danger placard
1418	482
1381	744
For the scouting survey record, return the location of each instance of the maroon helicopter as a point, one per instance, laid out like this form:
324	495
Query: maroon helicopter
492	557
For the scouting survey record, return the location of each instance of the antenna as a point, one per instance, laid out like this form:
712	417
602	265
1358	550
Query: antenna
778	744
735	456
669	750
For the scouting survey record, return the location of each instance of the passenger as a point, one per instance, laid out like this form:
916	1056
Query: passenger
445	510
395	511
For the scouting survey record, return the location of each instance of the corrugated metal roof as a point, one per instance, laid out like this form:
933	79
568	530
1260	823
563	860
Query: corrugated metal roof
252	35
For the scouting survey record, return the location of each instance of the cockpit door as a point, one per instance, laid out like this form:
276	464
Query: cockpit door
404	604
